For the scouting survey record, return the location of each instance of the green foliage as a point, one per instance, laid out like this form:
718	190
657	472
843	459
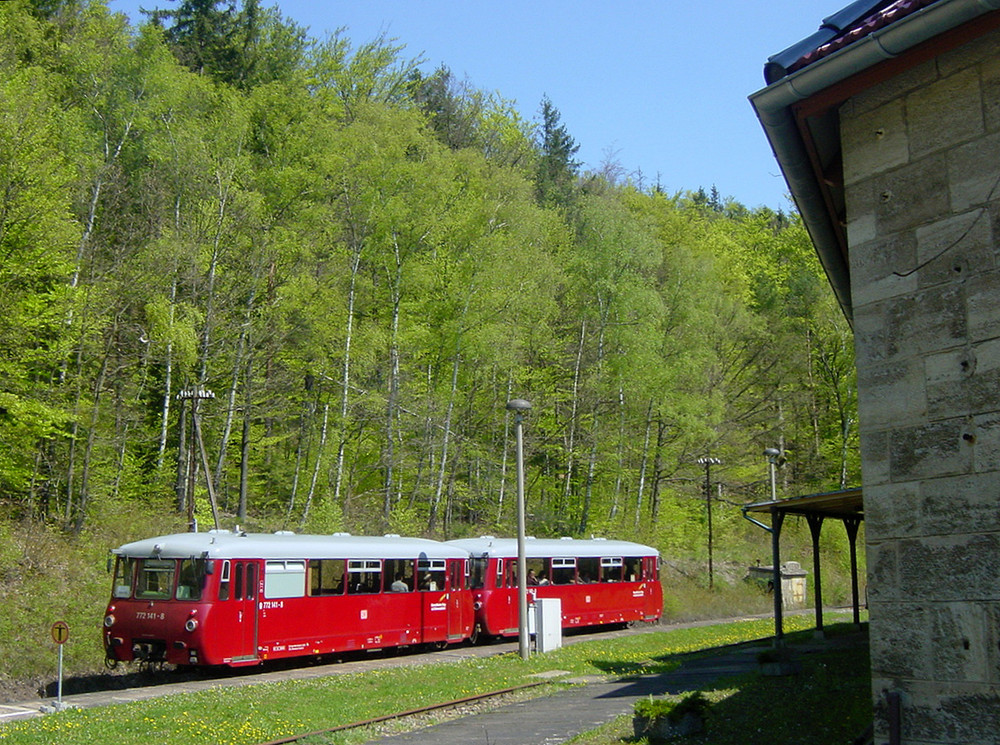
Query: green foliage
365	263
673	708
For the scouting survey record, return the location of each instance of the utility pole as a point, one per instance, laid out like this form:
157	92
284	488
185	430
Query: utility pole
194	395
708	462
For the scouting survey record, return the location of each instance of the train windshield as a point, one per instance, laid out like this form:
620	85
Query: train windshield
124	574
191	580
155	580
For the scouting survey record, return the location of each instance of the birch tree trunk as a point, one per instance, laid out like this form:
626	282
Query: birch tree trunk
644	460
389	457
442	467
316	467
574	404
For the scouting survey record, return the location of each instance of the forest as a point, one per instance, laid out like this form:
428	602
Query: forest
251	277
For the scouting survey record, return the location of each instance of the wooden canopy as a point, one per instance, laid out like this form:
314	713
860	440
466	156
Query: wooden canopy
846	505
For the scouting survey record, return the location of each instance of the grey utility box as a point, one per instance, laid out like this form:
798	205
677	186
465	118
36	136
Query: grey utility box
547	618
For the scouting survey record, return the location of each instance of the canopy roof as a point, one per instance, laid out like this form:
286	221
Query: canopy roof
847	503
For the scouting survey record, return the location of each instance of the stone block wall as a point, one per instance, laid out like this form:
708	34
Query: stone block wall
922	183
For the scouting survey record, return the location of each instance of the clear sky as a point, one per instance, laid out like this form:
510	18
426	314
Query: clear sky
659	86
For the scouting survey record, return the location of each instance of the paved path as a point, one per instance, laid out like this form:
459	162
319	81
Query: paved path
564	715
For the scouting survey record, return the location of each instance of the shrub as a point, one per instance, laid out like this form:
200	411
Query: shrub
672	709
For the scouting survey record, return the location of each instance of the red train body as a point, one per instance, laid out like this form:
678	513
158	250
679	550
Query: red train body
597	581
222	598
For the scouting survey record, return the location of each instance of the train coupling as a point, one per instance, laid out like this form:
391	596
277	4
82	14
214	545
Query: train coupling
149	651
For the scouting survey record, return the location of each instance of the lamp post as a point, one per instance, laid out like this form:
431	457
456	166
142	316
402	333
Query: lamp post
773	456
519	406
708	463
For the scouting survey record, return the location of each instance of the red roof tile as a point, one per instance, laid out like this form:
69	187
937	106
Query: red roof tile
862	28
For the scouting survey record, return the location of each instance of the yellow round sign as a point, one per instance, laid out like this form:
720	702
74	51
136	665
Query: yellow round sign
60	632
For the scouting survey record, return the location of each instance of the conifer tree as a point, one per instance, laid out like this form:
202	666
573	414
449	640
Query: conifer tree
556	168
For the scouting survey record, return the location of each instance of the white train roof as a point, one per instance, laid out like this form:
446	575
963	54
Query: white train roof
224	544
540	548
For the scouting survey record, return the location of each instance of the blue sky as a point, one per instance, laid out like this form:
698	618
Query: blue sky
661	87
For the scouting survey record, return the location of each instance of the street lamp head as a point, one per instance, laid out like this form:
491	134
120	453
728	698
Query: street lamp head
518	405
772	452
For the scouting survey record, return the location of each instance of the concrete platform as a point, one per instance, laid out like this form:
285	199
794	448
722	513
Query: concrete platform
568	713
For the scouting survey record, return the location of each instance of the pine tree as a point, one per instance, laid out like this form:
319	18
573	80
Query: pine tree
557	170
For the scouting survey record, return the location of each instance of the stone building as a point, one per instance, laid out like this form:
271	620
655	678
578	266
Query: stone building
886	125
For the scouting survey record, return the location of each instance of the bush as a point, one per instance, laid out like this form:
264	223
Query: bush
672	709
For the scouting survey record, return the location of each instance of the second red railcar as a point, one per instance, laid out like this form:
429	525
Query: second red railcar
597	581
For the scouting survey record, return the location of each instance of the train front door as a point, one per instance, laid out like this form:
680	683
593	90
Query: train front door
459	625
245	593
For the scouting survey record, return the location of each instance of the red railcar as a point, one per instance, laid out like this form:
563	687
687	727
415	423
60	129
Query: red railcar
222	598
598	581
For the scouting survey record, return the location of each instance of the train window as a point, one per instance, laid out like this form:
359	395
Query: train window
155	580
364	576
284	579
511	572
536	571
238	594
398	575
563	571
431	573
326	577
251	581
191	579
124	574
632	564
587	569
224	581
650	568
477	572
611	569
499	582
456	575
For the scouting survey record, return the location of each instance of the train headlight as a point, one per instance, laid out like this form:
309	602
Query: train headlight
109	621
191	624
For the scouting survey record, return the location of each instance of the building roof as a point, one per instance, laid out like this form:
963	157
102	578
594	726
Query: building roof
866	43
857	20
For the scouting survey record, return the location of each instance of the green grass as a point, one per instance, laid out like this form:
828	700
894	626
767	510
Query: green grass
827	703
253	714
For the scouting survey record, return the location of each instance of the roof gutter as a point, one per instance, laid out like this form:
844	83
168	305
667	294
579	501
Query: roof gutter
773	106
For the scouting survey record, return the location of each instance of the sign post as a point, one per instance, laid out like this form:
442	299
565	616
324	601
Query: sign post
60	635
